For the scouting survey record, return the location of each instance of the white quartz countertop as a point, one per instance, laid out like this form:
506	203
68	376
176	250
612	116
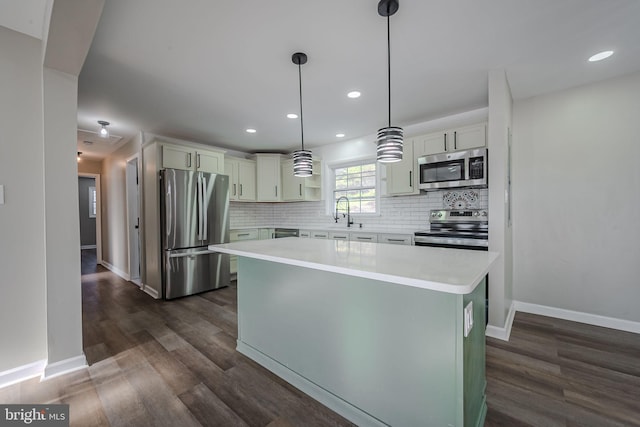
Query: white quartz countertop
454	271
340	228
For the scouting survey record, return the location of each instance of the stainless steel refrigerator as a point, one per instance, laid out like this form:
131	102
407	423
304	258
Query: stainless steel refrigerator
194	214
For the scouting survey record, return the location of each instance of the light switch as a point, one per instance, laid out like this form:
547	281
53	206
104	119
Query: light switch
468	318
1	194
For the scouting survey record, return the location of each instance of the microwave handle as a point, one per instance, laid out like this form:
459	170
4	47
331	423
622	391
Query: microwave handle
445	142
455	140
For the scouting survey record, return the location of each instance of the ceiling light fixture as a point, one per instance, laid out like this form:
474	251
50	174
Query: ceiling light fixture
389	138
302	159
354	94
601	55
104	132
292	116
251	130
79	153
339	135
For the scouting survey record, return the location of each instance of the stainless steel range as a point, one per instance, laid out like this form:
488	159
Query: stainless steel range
461	229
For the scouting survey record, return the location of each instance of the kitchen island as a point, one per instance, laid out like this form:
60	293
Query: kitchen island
374	331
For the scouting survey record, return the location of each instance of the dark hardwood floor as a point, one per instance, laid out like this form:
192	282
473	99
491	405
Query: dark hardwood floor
158	363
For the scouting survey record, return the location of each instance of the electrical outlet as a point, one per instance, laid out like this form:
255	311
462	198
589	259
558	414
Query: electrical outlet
468	318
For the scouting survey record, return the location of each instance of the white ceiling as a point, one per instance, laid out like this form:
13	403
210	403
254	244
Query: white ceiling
207	70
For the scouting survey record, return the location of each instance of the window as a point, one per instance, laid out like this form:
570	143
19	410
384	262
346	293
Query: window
93	203
358	184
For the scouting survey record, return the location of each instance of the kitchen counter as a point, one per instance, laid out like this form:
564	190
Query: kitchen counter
382	334
339	227
445	270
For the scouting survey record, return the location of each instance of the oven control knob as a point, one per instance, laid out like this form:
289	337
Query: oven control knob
439	214
476	213
483	213
433	214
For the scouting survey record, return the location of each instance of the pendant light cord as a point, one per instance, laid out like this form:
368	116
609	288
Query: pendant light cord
389	66
301	121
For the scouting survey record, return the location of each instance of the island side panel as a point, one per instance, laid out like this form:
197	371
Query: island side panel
392	351
474	356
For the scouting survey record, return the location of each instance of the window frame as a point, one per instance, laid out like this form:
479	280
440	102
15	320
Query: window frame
331	199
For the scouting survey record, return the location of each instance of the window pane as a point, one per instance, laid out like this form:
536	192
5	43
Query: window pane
358	184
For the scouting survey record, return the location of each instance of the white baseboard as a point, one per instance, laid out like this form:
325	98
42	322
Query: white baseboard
503	333
328	399
88	247
116	270
22	373
150	291
66	366
578	316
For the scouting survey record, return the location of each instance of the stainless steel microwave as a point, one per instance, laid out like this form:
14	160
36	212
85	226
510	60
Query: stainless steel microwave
466	168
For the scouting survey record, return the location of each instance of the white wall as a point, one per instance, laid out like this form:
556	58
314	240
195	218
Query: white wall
500	232
62	232
115	246
577	197
22	252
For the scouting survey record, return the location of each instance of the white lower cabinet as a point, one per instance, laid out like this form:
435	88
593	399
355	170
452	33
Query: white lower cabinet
304	233
315	234
339	235
364	237
238	236
395	239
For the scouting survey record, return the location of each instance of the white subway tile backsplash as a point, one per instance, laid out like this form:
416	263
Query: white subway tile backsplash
395	213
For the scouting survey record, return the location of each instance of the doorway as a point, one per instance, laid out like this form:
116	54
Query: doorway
89	205
133	218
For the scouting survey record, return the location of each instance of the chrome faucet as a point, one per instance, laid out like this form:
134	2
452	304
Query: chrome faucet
348	215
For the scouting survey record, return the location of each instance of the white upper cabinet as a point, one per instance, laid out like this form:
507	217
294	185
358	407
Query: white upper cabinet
301	189
268	178
188	158
461	138
242	179
401	176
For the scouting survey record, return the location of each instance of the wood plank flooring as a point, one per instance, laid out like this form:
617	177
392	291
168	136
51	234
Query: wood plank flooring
158	363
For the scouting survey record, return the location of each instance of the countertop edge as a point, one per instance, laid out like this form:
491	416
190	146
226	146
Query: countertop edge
406	281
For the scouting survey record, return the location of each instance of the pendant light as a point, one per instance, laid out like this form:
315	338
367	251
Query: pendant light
389	139
302	161
104	132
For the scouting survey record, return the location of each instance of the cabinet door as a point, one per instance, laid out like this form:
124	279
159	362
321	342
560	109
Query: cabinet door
430	144
469	137
292	186
268	178
395	239
231	169
247	180
400	175
174	157
364	237
338	235
209	161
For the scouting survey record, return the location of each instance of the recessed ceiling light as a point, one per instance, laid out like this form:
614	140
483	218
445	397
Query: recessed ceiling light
354	94
292	115
251	130
600	56
339	135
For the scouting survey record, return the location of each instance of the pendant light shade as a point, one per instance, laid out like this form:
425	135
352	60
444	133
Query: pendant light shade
389	140
302	159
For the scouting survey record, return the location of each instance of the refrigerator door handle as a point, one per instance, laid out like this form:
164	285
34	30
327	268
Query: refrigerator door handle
204	209
199	204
